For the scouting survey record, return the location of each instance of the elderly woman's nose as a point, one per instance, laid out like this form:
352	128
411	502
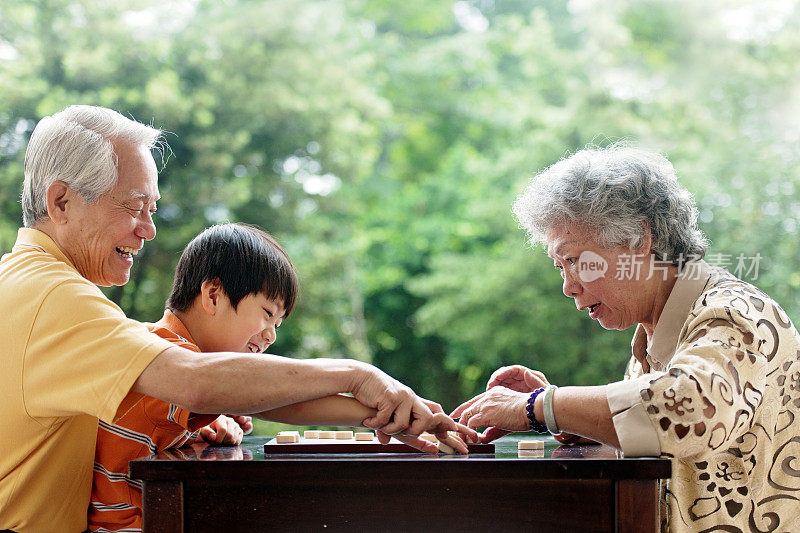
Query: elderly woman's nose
571	287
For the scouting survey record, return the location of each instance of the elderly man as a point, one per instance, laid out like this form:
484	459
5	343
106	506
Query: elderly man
70	355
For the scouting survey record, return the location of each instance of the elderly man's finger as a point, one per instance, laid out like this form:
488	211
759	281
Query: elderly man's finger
469	434
433	406
401	418
383	438
381	418
453	440
418	443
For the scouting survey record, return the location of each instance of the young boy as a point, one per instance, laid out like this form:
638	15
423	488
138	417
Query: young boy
234	285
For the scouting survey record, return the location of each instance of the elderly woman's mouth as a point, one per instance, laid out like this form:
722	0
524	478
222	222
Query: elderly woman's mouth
593	309
126	251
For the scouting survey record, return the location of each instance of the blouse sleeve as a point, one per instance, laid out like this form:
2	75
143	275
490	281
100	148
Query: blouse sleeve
705	399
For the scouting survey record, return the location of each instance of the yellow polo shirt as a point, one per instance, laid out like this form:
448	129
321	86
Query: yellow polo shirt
68	356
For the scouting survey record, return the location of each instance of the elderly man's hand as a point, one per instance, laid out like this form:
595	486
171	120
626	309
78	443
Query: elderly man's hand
403	414
500	409
442	426
518	378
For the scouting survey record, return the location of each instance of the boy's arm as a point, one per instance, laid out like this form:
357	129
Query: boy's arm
336	410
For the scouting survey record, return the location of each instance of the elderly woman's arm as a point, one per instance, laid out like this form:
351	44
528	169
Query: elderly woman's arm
581	411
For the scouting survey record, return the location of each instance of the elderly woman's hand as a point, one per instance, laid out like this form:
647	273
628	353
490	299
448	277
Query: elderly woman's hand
500	409
518	378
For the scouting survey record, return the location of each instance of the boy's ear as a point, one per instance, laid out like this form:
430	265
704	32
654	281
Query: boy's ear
210	294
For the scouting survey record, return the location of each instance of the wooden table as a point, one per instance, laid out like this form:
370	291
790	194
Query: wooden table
585	488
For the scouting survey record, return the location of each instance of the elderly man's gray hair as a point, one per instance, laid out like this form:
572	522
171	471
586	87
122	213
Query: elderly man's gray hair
75	146
614	189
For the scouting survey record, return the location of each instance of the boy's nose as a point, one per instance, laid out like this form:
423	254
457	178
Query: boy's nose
269	335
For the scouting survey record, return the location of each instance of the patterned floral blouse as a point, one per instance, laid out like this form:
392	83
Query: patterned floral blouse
717	390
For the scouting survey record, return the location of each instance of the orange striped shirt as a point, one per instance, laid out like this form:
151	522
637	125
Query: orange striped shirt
143	425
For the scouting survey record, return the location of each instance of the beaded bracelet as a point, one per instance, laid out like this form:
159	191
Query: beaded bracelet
536	426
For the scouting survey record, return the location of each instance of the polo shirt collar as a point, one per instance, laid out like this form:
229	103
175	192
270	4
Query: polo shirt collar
171	322
34	238
690	284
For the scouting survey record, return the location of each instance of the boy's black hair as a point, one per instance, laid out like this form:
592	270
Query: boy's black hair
244	258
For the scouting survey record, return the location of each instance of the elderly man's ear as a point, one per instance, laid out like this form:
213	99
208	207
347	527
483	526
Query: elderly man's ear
59	197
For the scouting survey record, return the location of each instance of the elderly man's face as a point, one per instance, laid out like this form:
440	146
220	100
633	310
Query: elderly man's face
592	277
104	237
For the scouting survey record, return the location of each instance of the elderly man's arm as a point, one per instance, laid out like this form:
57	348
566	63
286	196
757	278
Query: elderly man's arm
244	383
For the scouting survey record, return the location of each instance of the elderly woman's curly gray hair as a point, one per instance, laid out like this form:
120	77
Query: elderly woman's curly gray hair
614	189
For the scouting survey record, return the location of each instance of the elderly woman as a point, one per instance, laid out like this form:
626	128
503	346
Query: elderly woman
714	380
70	356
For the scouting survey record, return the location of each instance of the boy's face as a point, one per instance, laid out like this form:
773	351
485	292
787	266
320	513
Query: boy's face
251	327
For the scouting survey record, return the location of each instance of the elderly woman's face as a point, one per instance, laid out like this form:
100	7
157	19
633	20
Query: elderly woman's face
591	277
103	237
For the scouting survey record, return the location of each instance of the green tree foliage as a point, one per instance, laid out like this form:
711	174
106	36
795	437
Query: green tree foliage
383	143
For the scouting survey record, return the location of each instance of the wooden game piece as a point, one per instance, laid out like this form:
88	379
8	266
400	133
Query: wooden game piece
530	453
446	448
313	434
530	445
288	436
327	434
344	435
365	436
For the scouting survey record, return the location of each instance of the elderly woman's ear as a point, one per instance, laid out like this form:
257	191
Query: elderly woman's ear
646	245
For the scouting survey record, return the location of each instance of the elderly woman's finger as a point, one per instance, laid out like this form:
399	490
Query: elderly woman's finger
457	413
535	379
493	433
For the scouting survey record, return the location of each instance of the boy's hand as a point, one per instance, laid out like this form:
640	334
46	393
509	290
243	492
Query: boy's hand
245	422
224	431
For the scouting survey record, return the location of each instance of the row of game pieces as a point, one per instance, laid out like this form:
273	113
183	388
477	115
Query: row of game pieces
286	437
291	437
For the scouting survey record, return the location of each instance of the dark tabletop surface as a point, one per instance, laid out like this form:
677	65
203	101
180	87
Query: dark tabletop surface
590	461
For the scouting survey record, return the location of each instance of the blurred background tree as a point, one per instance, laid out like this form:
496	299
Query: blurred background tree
383	142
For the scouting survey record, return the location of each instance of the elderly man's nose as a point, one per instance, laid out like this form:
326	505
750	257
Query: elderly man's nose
146	228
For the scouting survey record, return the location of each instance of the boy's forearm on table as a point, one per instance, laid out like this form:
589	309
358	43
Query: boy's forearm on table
336	410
